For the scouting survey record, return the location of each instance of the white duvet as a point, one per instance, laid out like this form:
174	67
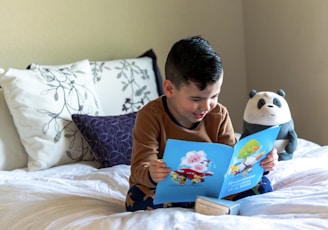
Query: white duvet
80	196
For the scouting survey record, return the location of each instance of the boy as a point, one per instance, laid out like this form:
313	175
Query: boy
189	110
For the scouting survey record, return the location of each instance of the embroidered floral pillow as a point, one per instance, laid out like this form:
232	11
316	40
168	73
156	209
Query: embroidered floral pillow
41	101
125	85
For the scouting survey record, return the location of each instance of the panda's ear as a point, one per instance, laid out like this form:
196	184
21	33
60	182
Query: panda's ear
252	93
281	93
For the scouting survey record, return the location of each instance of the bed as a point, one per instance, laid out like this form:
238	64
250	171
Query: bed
67	166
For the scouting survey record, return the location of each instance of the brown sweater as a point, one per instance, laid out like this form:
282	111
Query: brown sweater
153	126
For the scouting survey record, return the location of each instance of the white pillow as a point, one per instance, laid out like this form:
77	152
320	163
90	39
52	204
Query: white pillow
125	85
41	101
12	152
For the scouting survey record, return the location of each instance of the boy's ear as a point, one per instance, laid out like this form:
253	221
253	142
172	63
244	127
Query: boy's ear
168	88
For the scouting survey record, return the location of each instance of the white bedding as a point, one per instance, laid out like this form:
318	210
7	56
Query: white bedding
80	196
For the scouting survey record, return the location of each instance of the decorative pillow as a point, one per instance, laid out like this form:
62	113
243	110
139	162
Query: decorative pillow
158	77
125	85
41	101
12	152
110	137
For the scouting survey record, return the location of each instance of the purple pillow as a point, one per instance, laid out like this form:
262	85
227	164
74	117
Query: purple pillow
110	137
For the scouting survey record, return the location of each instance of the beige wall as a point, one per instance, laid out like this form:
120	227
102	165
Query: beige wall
282	43
286	47
62	31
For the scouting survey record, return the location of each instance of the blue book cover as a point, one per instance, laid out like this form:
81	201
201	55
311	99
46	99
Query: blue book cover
212	169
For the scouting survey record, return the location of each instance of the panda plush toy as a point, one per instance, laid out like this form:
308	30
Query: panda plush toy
266	109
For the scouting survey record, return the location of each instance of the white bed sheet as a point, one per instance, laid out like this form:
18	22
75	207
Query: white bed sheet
80	196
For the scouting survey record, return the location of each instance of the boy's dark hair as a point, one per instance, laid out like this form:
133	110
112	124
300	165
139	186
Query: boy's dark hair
193	60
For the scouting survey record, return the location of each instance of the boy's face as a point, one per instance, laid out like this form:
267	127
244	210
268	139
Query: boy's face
189	104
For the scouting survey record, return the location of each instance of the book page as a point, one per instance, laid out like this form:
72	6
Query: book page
244	171
197	168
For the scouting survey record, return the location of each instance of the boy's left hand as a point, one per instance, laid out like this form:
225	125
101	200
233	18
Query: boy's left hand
270	162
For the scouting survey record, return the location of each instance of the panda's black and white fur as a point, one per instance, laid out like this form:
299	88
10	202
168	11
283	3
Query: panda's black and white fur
266	109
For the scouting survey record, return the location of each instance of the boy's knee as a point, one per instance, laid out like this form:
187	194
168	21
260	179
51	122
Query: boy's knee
139	197
263	186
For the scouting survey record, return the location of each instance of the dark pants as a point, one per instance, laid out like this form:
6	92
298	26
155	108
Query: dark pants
140	197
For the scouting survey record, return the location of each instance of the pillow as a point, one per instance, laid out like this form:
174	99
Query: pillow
12	152
158	77
125	85
41	101
110	137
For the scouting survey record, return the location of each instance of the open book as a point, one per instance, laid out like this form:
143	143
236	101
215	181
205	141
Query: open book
212	169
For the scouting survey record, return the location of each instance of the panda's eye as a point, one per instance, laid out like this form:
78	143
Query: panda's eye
260	103
277	102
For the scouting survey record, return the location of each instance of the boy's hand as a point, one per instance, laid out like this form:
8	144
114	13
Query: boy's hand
158	170
270	162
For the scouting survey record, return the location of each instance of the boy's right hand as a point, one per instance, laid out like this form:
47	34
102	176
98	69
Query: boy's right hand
158	170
